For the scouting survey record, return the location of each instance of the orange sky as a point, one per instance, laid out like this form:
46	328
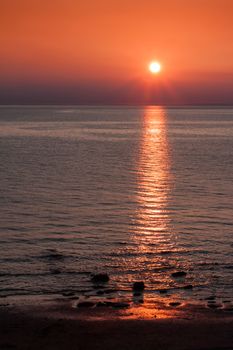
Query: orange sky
101	49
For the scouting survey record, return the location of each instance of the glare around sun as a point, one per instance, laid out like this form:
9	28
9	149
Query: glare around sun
154	67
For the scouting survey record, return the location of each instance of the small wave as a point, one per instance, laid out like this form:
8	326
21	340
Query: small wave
40	274
53	256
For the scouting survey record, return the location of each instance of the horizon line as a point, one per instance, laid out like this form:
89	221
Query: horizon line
117	105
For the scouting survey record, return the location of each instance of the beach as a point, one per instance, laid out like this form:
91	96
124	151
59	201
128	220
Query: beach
56	327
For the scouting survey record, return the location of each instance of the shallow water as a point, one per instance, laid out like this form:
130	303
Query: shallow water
138	193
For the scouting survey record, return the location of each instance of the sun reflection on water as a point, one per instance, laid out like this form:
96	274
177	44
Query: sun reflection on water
154	182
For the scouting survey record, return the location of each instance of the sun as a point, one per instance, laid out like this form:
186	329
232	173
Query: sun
154	67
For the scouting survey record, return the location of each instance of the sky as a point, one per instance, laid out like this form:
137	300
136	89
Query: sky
98	51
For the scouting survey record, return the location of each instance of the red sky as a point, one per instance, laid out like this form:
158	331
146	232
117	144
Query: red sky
72	51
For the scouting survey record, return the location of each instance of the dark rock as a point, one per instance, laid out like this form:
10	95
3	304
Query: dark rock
98	286
212	297
214	305
100	278
179	274
175	303
163	291
86	304
108	303
119	305
137	294
68	294
100	304
228	309
110	291
100	292
55	272
188	286
138	286
104	304
55	256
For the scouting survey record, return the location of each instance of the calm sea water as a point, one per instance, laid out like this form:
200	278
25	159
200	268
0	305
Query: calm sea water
138	193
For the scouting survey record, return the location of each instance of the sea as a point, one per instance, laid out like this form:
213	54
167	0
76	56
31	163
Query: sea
135	192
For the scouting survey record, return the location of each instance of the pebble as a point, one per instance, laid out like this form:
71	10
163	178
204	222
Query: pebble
179	274
120	305
188	286
68	294
100	277
138	286
229	308
55	272
163	291
100	292
109	291
117	305
175	303
86	304
212	297
214	306
98	286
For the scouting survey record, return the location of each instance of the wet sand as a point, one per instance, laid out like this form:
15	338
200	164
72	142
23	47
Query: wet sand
58	326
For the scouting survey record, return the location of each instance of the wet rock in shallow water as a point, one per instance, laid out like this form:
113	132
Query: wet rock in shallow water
212	297
138	286
110	291
86	304
188	286
100	304
108	303
98	286
116	305
228	308
165	252
119	305
104	304
100	292
54	256
100	278
55	272
175	303
212	305
179	274
68	294
163	291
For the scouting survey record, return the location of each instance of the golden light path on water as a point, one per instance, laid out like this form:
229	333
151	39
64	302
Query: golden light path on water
153	235
153	181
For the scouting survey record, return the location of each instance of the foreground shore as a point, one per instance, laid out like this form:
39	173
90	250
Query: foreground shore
57	326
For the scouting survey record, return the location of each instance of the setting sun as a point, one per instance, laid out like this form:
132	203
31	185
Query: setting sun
155	67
